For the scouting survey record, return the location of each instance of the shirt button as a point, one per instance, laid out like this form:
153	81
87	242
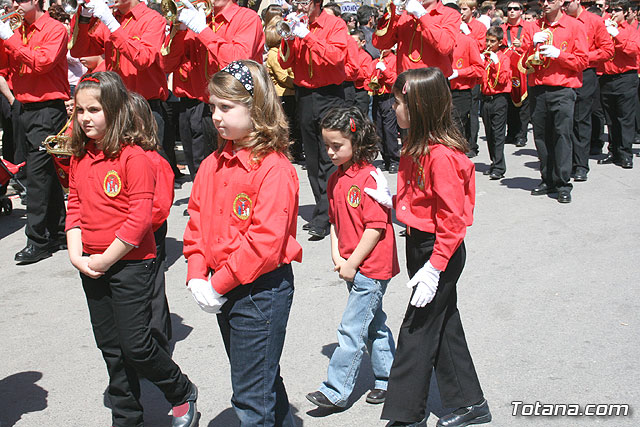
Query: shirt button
408	182
404	208
225	184
220	211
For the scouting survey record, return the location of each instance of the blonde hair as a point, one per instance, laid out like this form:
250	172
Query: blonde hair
272	38
471	4
270	131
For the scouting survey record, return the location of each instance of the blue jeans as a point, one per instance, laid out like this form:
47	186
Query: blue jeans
253	324
363	324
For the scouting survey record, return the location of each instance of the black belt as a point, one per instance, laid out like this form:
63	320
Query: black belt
619	75
492	97
59	103
460	90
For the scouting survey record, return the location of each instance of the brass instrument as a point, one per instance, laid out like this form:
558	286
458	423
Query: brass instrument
486	55
14	18
374	81
535	58
72	41
285	27
171	10
400	6
58	145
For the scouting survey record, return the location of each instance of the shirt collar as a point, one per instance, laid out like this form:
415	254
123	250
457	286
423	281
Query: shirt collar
137	11
39	23
321	20
438	9
562	22
228	12
517	24
351	172
241	156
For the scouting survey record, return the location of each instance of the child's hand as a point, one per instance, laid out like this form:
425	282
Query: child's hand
98	262
347	271
82	264
338	262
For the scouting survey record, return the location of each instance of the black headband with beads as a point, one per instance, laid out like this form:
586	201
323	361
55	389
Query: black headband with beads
241	72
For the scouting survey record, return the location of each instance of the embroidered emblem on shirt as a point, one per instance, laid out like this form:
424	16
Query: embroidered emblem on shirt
61	173
242	206
459	63
354	196
419	178
112	184
515	82
563	46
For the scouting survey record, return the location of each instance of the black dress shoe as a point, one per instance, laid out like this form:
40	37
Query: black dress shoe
580	176
31	254
627	164
496	175
542	189
422	423
320	400
180	418
564	197
376	396
471	154
306	226
487	172
186	212
319	232
608	160
393	168
521	142
474	414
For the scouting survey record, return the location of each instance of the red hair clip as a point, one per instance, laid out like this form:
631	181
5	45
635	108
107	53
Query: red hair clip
90	79
405	88
353	124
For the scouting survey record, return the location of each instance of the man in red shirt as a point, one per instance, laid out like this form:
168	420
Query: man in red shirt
364	67
517	37
562	45
619	86
600	50
194	54
316	53
470	26
34	57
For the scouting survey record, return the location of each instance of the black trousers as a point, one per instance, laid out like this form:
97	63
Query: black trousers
462	111
19	137
552	118
518	119
387	127
6	120
582	120
494	118
362	101
120	310
313	104
165	139
290	110
431	337
598	120
349	94
46	213
194	134
618	92
160	322
476	97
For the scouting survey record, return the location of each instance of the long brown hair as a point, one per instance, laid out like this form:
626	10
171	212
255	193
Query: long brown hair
426	95
114	99
270	127
145	131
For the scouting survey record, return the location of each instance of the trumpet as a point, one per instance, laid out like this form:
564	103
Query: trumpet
400	6
14	19
536	59
374	81
58	145
171	9
284	28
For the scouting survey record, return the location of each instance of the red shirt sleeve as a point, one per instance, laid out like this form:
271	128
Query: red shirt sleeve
176	56
331	49
603	43
90	40
440	31
45	56
141	51
193	243
73	205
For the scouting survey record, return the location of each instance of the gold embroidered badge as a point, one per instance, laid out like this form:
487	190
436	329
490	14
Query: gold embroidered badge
242	206
420	177
112	184
354	196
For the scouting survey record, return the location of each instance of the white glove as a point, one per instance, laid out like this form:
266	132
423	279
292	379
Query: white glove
426	283
454	74
399	4
380	66
194	19
494	57
549	51
540	37
299	29
206	297
85	10
103	13
381	194
613	31
465	28
608	23
415	8
5	30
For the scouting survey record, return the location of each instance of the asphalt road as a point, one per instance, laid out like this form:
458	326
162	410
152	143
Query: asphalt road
549	297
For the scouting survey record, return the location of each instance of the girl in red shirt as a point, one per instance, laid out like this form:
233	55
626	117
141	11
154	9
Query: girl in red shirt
241	237
435	199
111	243
363	249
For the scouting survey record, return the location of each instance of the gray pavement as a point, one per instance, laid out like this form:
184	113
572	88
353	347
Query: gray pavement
549	298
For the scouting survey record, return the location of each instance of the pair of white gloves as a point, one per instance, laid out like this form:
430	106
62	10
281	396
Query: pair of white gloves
425	281
206	297
611	28
547	50
413	7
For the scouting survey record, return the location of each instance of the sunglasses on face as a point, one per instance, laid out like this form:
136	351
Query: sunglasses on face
302	2
23	1
513	7
614	9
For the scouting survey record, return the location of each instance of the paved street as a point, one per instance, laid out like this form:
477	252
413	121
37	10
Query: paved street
550	300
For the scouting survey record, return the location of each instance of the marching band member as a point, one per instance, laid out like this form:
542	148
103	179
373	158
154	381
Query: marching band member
38	48
208	44
517	37
316	52
561	43
600	49
619	86
470	26
425	34
364	67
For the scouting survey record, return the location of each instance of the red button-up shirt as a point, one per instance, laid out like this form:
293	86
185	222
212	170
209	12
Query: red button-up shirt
132	51
467	62
325	46
497	77
598	39
242	221
112	197
424	42
437	195
570	37
526	30
232	34
164	191
478	33
352	60
388	76
364	67
35	60
352	211
627	48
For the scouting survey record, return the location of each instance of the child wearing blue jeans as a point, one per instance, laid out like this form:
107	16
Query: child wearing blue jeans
363	250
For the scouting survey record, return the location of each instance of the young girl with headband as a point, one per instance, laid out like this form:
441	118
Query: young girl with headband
111	243
241	238
435	199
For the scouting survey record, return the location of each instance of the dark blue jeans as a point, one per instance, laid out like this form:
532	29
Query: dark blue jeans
253	324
